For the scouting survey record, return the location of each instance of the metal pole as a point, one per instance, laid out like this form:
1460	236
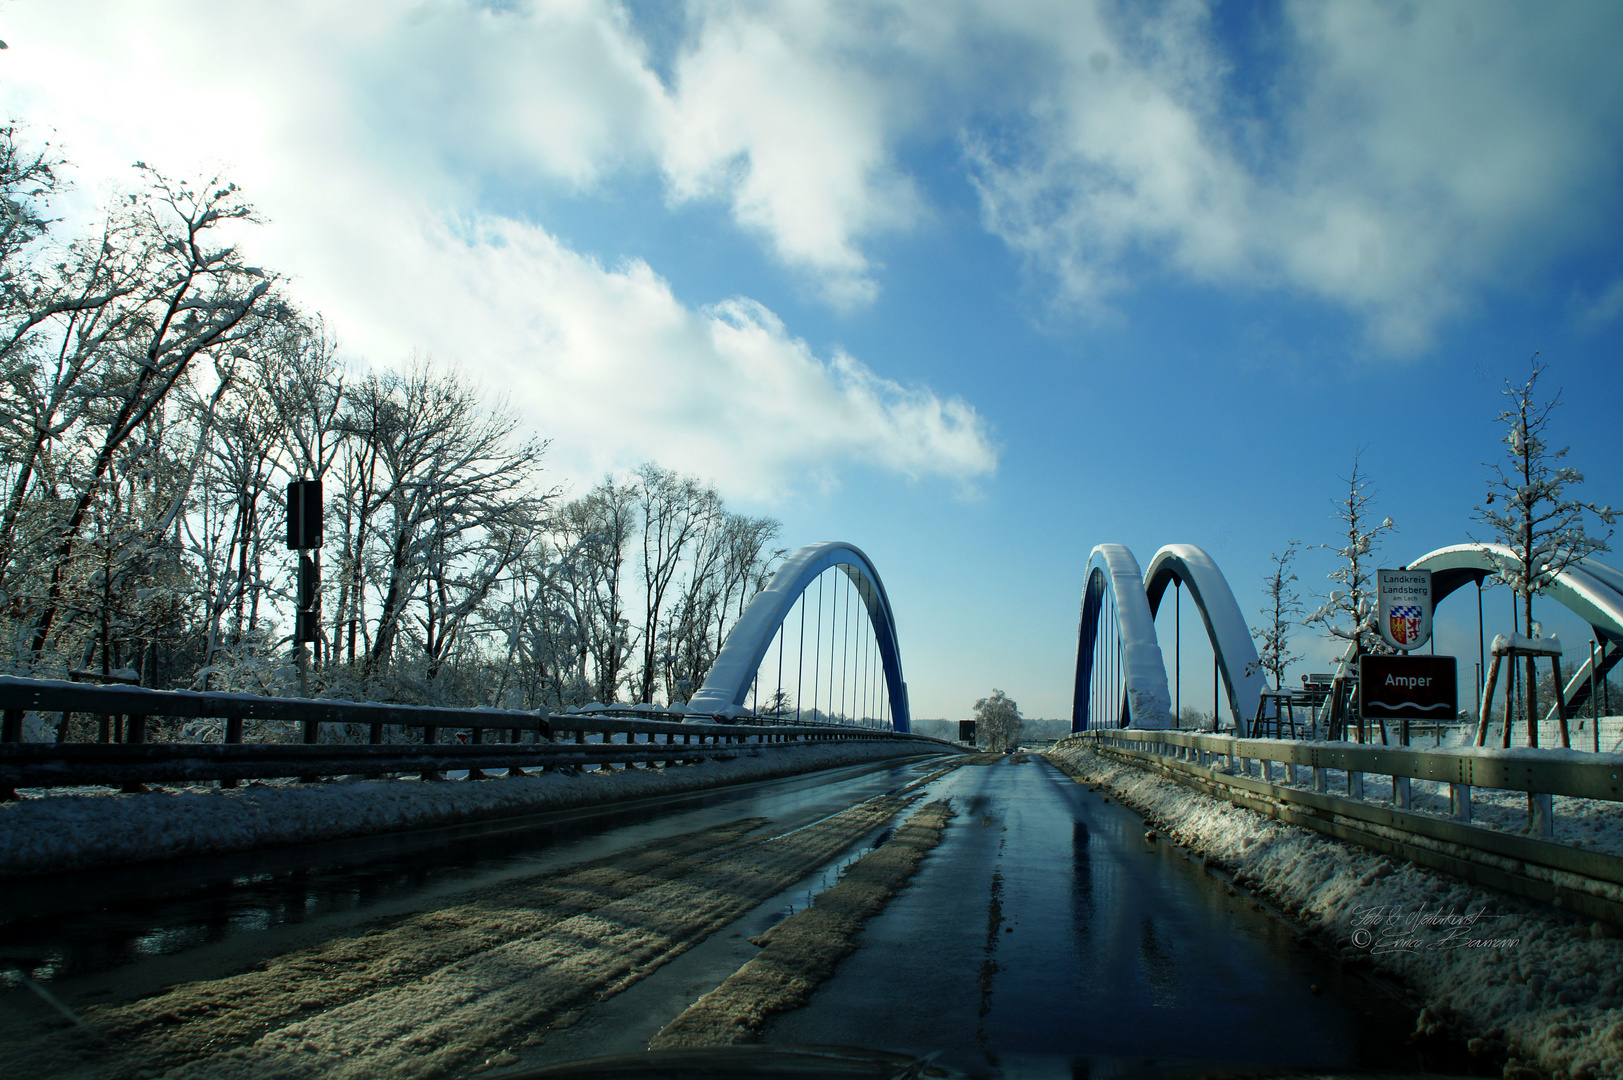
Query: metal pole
1481	649
1177	647
1594	701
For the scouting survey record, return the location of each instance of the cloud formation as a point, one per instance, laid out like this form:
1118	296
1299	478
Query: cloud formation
366	143
1397	162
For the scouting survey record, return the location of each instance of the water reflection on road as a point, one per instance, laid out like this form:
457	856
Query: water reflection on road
1047	933
117	932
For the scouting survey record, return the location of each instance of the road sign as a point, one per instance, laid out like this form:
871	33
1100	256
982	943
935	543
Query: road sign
1405	607
1407	688
966	731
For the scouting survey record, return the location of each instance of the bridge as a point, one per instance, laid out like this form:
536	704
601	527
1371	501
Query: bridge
1051	925
1121	668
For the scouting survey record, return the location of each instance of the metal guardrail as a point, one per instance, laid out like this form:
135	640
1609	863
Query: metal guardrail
536	740
1586	882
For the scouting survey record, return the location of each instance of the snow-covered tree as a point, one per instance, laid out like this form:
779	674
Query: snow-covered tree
196	297
1283	604
997	722
677	512
1348	612
1529	507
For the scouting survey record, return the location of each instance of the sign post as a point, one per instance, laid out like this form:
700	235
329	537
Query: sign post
304	534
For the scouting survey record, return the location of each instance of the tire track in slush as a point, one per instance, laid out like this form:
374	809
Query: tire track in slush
168	1028
389	1013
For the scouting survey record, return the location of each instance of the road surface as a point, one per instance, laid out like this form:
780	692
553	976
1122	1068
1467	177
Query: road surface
1044	935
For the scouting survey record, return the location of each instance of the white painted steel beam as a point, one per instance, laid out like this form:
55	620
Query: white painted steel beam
728	683
1226	628
1112	569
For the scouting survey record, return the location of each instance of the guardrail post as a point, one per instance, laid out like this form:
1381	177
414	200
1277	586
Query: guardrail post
1540	815
136	729
1459	802
1400	792
233	736
1355	785
430	737
476	737
11	730
514	737
1319	783
312	736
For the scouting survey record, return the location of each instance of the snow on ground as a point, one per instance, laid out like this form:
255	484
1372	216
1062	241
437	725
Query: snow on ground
1515	977
53	831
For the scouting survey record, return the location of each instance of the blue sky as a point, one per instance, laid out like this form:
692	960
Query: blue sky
973	285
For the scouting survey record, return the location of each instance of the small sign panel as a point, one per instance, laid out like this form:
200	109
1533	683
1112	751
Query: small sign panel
1405	607
1407	688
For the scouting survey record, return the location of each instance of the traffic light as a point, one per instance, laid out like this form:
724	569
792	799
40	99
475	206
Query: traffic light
304	514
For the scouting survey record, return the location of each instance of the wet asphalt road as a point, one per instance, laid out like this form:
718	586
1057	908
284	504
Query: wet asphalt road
112	935
1046	935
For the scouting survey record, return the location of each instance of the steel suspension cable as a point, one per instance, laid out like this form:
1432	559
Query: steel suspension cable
817	647
848	685
800	650
867	632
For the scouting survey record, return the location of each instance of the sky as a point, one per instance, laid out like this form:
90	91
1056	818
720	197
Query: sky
975	285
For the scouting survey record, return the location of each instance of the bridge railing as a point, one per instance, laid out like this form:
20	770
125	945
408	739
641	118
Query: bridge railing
521	740
1531	863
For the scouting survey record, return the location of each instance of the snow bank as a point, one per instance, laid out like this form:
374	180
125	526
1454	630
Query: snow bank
1516	978
49	831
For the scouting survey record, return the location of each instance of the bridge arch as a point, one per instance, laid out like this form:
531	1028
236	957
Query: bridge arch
1113	575
1226	628
740	658
1588	588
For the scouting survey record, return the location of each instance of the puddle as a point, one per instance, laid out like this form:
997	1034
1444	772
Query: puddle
829	876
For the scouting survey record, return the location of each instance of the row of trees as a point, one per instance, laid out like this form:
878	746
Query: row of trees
158	392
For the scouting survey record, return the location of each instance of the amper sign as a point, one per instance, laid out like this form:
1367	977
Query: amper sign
1407	688
1405	607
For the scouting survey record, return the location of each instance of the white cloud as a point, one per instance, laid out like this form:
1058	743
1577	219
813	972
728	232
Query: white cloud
619	371
1403	159
782	110
1596	313
364	141
1397	161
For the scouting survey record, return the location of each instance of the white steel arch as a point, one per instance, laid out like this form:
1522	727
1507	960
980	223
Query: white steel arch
1226	628
1589	589
1146	702
725	688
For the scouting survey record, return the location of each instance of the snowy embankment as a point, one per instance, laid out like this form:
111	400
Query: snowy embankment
1519	980
51	832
